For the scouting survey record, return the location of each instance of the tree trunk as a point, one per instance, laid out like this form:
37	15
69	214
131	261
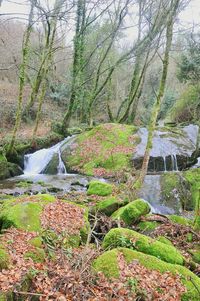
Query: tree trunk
157	105
77	60
22	77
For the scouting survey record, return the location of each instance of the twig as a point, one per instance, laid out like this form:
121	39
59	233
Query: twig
31	294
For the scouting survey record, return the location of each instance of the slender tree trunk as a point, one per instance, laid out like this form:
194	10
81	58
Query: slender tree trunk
22	77
77	60
157	105
44	74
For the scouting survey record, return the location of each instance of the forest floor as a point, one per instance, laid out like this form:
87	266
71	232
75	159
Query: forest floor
51	111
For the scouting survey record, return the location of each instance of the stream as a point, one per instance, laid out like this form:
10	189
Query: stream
34	180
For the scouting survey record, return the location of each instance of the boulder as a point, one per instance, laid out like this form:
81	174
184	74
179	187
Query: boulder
109	205
121	237
173	148
40	214
99	188
108	264
102	151
132	212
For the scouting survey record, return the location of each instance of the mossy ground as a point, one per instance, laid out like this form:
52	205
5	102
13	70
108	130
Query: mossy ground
132	211
108	264
133	240
107	148
24	213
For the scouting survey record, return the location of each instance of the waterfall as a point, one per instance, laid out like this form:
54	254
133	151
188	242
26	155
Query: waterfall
165	165
174	163
61	166
35	163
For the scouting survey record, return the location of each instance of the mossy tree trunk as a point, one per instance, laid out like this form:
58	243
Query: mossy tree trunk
22	77
78	55
50	38
159	98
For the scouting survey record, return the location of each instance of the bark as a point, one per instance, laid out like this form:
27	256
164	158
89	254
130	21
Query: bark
47	61
77	60
22	77
158	101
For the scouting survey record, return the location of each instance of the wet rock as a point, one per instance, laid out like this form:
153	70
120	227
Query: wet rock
173	148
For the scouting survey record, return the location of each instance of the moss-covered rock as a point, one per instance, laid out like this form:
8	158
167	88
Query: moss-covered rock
99	188
121	237
109	205
24	212
4	170
132	211
105	149
164	240
108	264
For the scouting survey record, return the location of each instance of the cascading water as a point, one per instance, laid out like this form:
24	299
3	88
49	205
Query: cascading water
35	163
61	166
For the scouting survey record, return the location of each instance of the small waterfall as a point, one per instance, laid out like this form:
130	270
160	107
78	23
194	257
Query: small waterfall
165	164
61	166
174	163
35	163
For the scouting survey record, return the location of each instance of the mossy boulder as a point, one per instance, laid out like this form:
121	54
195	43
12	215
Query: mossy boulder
103	150
121	237
164	240
24	212
132	212
109	205
109	265
4	170
99	188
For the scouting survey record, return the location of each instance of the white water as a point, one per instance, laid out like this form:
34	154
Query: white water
35	163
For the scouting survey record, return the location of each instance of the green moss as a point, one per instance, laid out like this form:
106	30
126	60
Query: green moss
147	226
196	255
164	240
4	259
24	214
109	205
36	242
108	264
23	184
180	220
193	177
132	212
121	237
37	255
111	139
99	188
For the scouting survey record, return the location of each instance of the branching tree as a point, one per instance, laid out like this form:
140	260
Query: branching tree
174	5
22	75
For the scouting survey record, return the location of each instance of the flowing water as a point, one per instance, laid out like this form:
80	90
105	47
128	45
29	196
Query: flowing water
36	163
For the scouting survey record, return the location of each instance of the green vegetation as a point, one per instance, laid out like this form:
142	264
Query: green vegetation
4	259
105	149
133	240
24	213
132	212
99	188
108	264
109	205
